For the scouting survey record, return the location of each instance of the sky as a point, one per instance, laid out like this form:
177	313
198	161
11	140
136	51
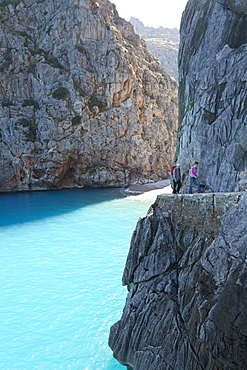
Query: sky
153	13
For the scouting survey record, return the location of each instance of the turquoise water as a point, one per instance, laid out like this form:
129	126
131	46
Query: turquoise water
62	257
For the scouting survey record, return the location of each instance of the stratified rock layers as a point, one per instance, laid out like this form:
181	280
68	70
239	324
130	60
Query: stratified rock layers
213	91
187	278
82	102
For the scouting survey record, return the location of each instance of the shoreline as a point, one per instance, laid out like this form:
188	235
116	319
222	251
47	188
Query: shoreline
149	191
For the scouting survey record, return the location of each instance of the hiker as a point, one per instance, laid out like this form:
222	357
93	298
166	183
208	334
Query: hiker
194	178
176	179
171	177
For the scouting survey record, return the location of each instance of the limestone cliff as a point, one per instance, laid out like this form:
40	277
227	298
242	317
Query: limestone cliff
213	93
186	270
82	102
187	278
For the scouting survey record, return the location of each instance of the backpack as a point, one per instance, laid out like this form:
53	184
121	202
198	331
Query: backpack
172	170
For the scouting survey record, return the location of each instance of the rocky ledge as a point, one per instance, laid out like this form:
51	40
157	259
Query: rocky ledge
186	274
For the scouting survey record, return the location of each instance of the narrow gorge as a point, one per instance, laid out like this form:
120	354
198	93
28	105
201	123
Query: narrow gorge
186	270
84	104
82	101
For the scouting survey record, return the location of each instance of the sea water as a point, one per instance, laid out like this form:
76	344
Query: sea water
62	256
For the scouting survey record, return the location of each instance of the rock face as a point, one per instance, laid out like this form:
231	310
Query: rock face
243	181
82	102
162	42
213	93
186	270
186	274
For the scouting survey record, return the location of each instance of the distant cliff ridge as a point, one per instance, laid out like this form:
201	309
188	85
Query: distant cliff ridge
187	279
162	42
82	101
213	93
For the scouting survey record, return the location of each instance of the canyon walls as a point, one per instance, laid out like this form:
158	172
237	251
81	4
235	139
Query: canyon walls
82	102
213	92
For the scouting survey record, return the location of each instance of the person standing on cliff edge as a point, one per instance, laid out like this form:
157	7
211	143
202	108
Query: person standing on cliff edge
194	178
176	179
171	178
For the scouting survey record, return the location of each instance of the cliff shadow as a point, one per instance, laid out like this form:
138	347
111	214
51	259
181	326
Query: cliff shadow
18	208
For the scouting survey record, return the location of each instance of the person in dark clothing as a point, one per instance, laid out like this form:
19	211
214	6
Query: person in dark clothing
176	179
171	177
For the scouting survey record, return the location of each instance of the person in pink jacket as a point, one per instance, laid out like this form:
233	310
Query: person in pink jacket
194	178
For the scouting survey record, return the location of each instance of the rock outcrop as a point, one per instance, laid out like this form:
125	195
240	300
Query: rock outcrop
82	101
162	42
212	93
186	274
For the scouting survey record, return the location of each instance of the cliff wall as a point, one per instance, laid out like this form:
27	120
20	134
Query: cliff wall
186	274
213	92
186	270
82	102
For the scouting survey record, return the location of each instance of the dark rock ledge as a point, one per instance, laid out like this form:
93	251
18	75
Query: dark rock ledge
186	274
